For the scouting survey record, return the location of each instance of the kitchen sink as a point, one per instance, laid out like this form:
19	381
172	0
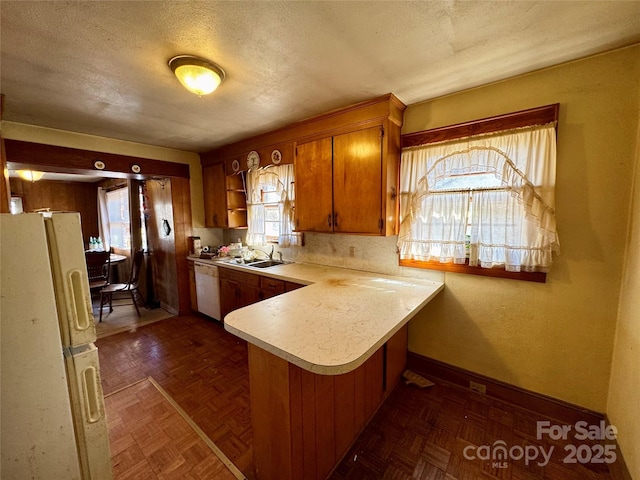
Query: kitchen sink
266	263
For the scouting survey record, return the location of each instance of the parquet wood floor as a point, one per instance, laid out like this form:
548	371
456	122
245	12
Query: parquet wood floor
416	434
150	439
201	366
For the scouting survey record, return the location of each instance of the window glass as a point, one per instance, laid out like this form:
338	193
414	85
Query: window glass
119	224
485	201
270	204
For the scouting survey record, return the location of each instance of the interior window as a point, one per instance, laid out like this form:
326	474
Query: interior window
270	200
119	224
270	203
480	203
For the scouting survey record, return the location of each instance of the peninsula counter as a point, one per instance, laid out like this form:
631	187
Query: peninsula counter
321	361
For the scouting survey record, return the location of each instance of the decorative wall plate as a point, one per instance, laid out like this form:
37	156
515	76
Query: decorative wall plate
276	157
235	165
253	160
99	164
135	168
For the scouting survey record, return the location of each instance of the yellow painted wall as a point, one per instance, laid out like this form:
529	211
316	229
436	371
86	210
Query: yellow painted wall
554	338
624	388
49	136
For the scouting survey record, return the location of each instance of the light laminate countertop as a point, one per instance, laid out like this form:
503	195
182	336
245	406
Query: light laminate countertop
335	323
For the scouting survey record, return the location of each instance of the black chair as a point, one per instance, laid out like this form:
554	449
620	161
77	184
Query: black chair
98	269
128	289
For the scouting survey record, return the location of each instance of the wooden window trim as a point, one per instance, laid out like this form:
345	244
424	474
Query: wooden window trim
496	272
522	118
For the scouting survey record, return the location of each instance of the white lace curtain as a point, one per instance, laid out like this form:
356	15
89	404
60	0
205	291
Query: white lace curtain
486	198
280	179
104	228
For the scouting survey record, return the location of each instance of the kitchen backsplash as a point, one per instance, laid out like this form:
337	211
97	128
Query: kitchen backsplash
358	252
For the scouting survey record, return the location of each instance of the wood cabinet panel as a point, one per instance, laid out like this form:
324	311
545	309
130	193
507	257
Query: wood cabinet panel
314	184
237	289
345	412
270	287
268	376
225	200
357	181
364	174
326	425
308	426
396	358
370	111
304	423
244	277
228	301
286	154
236	201
248	294
374	371
340	184
215	202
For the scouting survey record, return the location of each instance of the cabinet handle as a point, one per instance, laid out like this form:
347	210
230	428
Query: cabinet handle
335	220
329	219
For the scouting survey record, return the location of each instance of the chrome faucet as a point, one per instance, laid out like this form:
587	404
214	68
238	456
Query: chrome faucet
270	255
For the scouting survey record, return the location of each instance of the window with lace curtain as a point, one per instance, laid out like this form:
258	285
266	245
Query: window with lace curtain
270	203
481	204
118	214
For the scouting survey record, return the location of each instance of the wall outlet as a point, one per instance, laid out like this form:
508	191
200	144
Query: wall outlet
478	387
352	251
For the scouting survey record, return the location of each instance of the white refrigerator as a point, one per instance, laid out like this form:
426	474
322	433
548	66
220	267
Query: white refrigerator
52	415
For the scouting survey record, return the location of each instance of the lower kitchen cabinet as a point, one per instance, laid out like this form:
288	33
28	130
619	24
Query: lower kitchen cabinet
237	289
270	287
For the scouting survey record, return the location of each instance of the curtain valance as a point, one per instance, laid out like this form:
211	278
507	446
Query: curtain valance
489	199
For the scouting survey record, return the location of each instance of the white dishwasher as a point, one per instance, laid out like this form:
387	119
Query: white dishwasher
208	290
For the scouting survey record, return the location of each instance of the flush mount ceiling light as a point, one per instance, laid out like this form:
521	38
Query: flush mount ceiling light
198	75
30	175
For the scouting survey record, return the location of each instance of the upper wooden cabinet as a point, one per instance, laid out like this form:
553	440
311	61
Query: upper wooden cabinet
314	174
339	184
215	196
225	200
236	201
347	166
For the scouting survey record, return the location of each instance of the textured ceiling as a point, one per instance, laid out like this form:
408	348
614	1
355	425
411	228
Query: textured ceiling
100	67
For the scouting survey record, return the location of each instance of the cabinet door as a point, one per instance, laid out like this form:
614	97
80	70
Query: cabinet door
249	294
237	290
215	196
228	296
270	287
314	205
357	181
